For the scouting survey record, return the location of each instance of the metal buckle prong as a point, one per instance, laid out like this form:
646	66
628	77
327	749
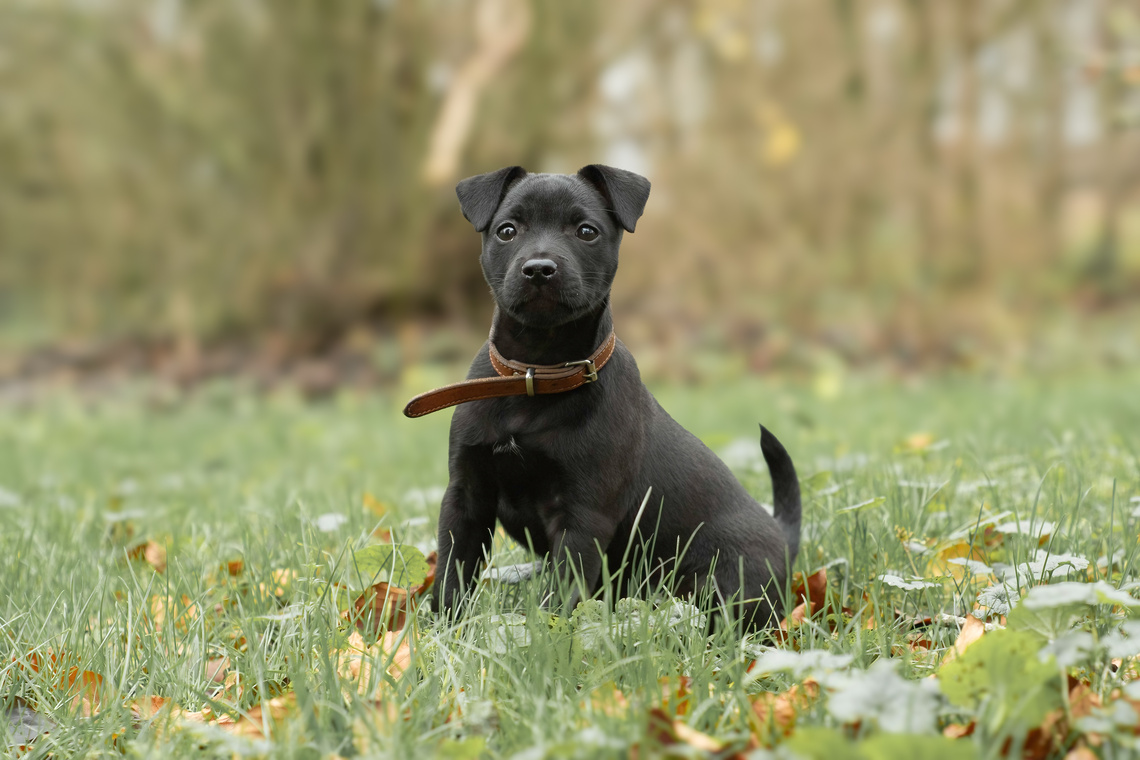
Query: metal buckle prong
591	371
530	381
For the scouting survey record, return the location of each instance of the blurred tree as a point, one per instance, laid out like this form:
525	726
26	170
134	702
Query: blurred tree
877	168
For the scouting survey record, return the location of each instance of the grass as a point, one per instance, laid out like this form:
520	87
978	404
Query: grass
256	503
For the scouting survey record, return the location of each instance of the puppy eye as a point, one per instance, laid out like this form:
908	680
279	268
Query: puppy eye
506	233
586	232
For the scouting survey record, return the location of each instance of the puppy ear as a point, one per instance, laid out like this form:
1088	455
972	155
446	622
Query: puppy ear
626	192
481	195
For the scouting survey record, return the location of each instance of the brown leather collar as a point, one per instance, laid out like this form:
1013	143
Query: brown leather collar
515	379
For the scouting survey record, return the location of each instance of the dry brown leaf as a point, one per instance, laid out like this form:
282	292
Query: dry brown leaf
667	732
374	505
274	709
249	725
152	552
386	607
429	579
281	582
145	708
920	643
90	689
782	709
694	738
235	566
812	593
959	730
812	589
676	691
382	607
57	668
166	609
1083	700
205	715
940	566
972	630
216	669
1044	741
611	701
355	662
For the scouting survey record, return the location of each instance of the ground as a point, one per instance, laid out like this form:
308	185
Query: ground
240	574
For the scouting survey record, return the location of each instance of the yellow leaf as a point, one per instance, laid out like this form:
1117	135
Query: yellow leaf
918	441
973	630
940	566
374	505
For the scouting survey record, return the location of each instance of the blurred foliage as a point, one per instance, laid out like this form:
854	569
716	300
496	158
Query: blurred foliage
886	175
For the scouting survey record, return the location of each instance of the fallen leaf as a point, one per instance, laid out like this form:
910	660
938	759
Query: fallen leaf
380	607
166	609
145	708
609	701
386	607
971	631
355	662
235	566
920	642
374	505
668	732
274	710
918	442
959	730
1083	700
812	593
216	669
249	725
779	711
152	552
88	698
676	692
429	579
694	738
58	670
811	589
281	582
941	566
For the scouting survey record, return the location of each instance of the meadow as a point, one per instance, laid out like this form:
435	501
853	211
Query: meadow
233	574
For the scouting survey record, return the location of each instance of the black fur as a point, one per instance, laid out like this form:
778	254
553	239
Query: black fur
567	473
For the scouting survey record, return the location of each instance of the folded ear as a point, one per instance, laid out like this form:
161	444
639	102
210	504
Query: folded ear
480	195
626	192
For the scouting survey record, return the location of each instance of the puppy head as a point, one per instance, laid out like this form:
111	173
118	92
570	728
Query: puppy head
550	241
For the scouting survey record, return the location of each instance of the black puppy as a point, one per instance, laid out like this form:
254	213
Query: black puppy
567	472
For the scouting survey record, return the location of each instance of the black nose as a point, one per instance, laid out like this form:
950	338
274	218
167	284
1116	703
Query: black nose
541	269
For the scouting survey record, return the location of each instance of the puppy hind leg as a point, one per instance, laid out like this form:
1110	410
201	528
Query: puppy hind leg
746	596
576	558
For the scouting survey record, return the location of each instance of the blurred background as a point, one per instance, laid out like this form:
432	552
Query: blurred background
200	188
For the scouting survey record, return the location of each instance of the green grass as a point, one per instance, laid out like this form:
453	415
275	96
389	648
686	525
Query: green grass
227	475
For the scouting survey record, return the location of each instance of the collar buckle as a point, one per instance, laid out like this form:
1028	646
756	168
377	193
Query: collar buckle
591	373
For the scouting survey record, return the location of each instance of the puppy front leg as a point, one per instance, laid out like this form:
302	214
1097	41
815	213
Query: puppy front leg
466	527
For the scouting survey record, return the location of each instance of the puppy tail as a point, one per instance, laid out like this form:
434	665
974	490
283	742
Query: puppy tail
785	489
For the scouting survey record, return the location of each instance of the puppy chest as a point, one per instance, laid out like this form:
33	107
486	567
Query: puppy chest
529	482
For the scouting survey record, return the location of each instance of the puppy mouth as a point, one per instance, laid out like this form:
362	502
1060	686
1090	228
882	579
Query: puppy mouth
547	303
